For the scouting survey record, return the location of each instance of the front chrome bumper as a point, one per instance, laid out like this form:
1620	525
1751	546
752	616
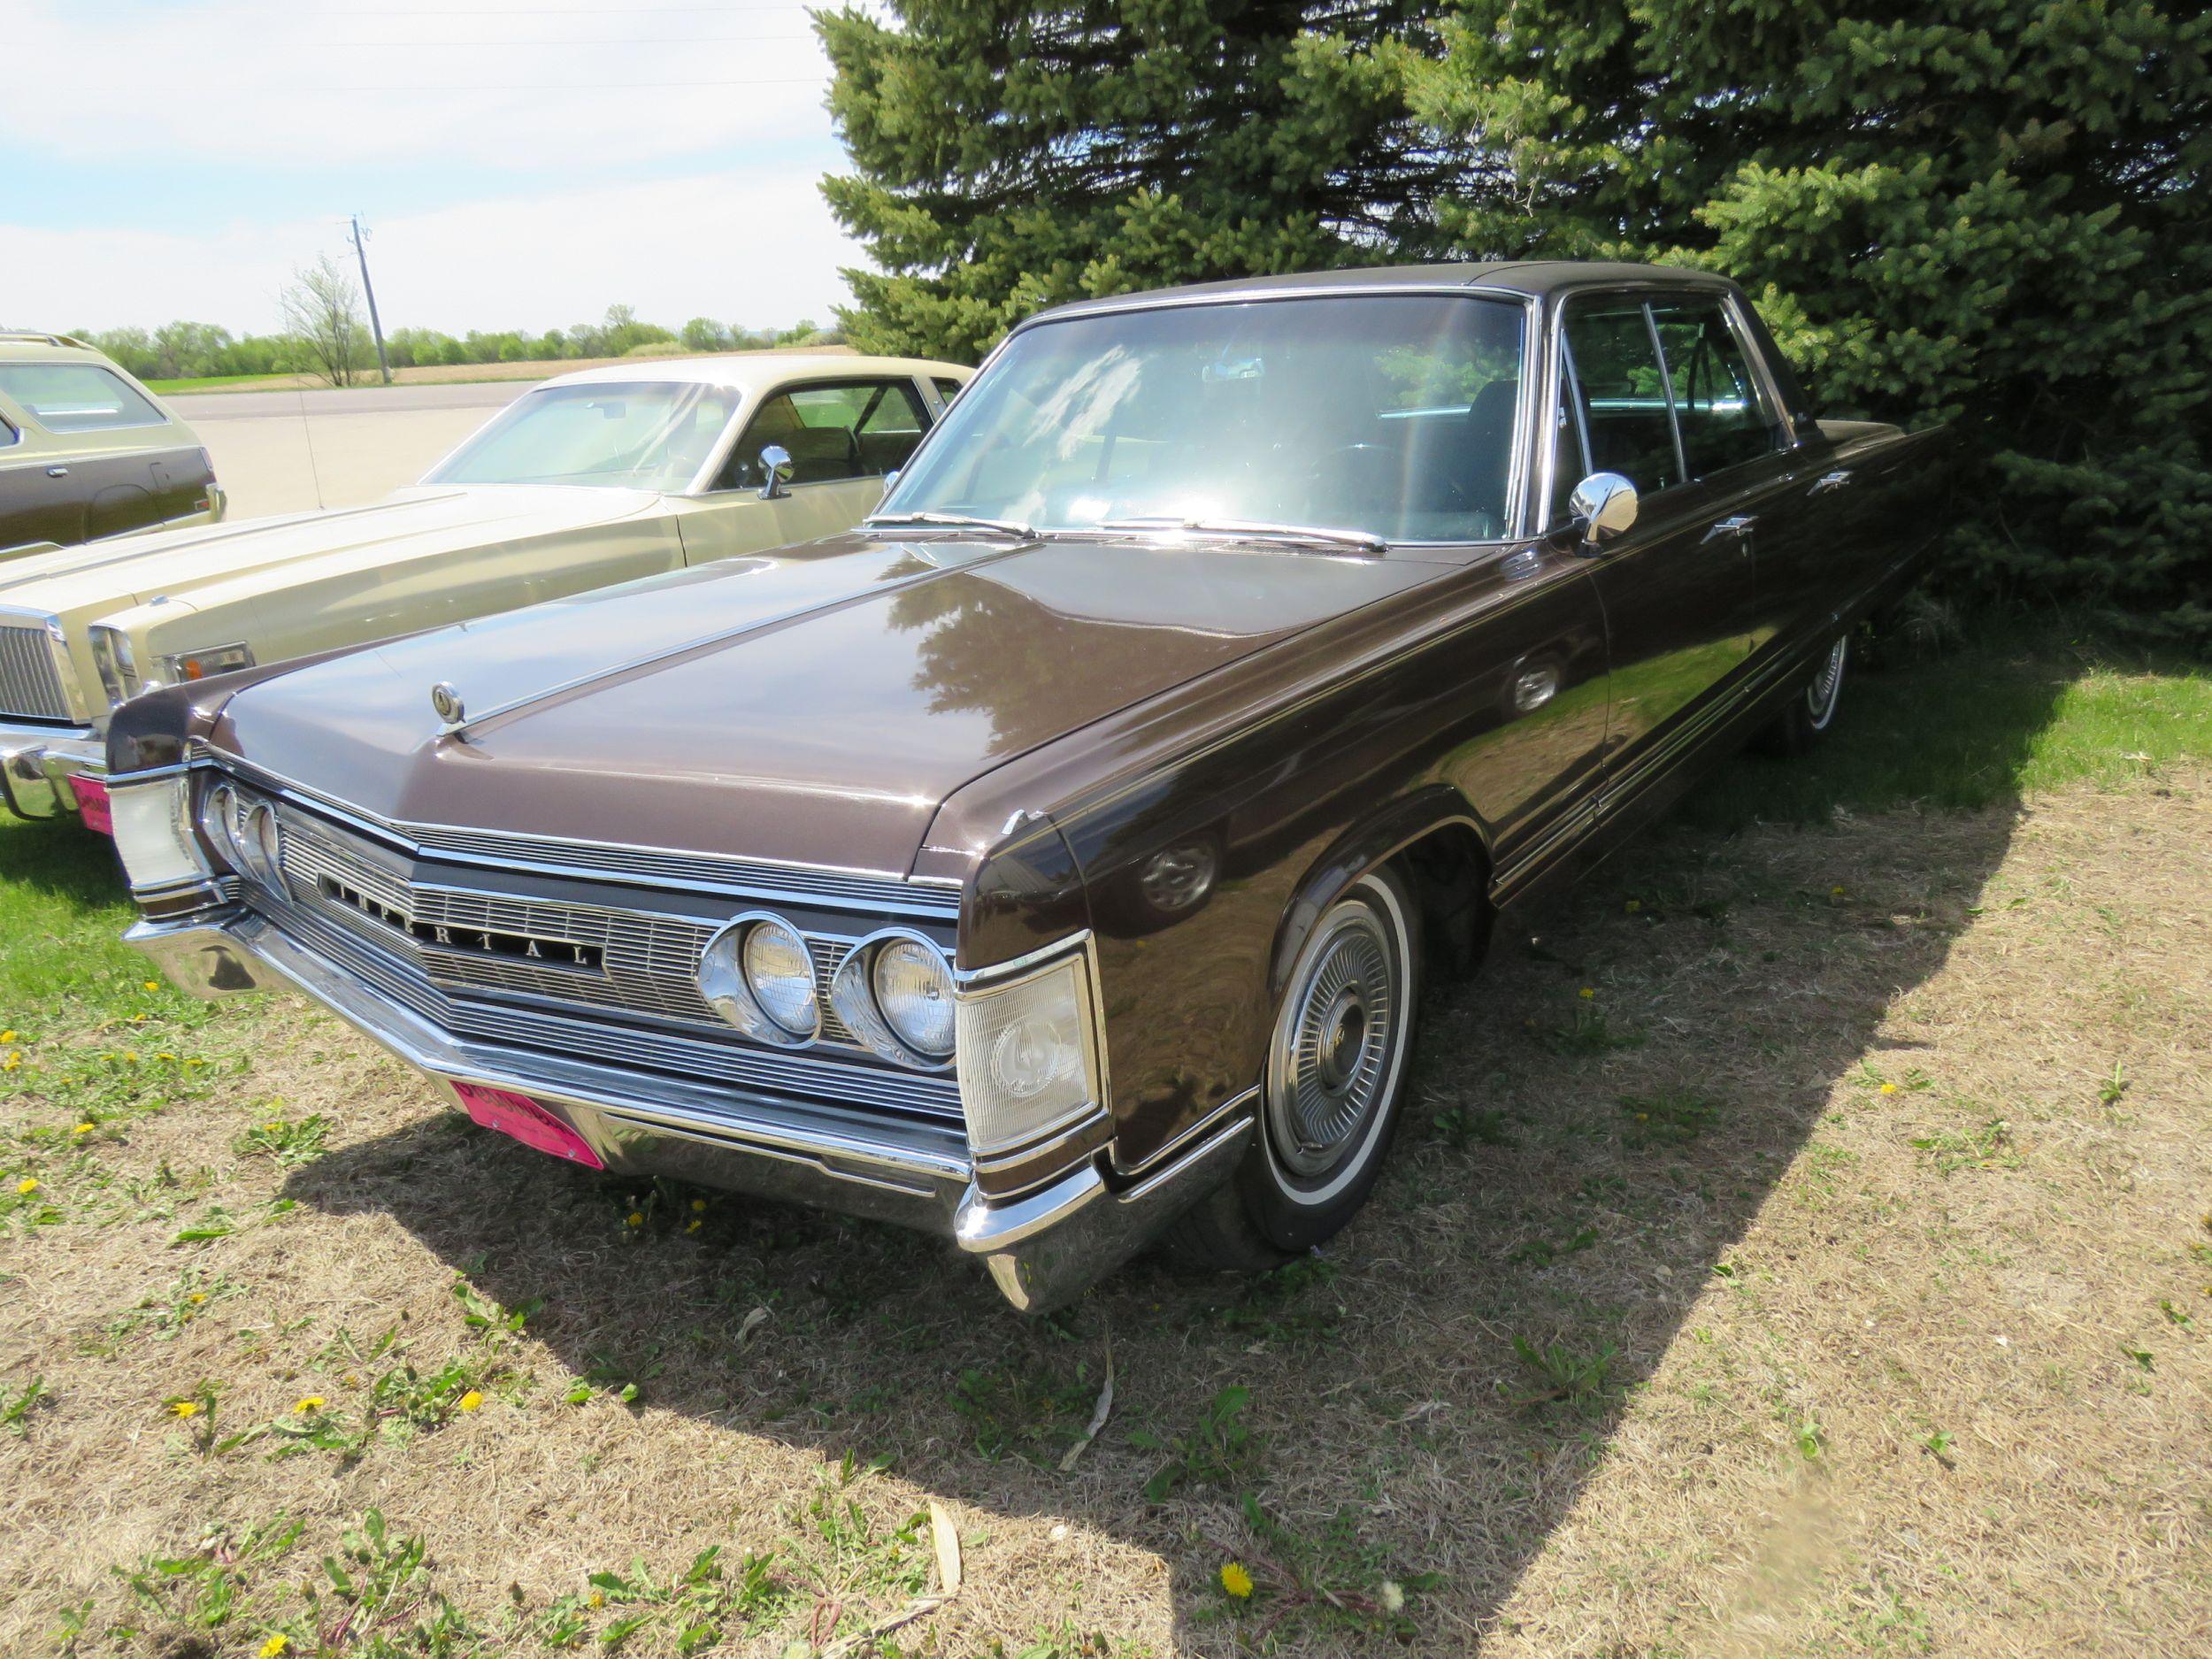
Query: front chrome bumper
1042	1247
39	765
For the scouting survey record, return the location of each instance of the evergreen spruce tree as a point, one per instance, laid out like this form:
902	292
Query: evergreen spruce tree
1007	155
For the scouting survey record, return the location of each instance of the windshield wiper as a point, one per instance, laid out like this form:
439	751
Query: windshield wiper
954	521
1256	529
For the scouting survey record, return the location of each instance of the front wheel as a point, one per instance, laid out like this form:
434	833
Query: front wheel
1806	718
1336	1076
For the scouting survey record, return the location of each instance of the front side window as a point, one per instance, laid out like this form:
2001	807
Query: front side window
1716	402
1615	393
862	429
647	435
76	397
1387	415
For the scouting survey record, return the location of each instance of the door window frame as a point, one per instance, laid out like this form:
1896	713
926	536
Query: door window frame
1559	367
885	382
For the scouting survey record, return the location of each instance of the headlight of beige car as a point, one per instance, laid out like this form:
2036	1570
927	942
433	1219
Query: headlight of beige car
118	667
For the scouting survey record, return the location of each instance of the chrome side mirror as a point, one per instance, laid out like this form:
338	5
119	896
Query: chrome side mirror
1606	504
775	466
890	483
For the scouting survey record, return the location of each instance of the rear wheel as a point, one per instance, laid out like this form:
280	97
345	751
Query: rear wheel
1335	1082
1806	718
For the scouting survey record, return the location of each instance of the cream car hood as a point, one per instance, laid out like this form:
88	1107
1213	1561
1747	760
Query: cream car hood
82	584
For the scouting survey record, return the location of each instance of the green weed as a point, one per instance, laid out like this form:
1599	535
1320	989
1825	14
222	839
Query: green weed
1220	1451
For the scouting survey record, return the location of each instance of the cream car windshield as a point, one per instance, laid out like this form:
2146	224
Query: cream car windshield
1388	416
647	435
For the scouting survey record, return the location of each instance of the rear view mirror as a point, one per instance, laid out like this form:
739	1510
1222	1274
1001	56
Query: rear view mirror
1605	503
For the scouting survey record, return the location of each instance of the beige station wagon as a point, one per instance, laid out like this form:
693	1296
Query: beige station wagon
585	481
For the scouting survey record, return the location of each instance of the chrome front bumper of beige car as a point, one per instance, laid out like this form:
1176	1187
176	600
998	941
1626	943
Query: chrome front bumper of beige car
40	766
1042	1247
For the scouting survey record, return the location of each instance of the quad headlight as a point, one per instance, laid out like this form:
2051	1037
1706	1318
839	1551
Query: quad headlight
758	974
244	835
893	992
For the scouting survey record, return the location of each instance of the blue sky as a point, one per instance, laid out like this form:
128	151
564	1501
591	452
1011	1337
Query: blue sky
520	163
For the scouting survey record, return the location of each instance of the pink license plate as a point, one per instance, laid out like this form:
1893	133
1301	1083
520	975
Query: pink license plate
526	1121
92	802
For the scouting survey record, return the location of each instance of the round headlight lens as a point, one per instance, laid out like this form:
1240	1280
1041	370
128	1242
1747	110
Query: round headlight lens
779	973
259	848
218	822
914	991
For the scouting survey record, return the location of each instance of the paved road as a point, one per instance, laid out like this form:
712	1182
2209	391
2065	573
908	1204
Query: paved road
292	451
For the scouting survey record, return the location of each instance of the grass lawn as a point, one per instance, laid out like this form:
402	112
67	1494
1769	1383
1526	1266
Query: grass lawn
218	382
1800	1248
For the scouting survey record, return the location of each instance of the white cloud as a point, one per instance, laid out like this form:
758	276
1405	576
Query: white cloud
741	247
308	83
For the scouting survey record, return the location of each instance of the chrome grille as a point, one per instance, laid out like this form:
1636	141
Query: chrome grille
646	967
30	678
739	875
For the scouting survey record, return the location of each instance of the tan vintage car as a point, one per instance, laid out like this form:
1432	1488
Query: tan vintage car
587	481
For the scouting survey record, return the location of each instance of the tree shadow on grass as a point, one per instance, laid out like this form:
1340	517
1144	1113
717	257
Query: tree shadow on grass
1426	1399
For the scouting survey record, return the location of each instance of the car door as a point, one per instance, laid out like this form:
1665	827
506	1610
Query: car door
843	438
1677	587
1738	449
39	503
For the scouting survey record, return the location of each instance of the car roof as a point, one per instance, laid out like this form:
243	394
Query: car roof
756	371
1513	277
35	345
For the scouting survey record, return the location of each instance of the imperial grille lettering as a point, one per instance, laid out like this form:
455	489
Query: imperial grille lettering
555	953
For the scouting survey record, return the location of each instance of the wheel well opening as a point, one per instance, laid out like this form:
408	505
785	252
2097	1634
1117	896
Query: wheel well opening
1450	872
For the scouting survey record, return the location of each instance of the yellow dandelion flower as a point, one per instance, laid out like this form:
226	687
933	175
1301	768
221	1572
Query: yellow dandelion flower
12	1061
26	1186
1588	993
350	1380
310	1402
165	1056
1236	1580
196	1063
698	1203
8	1035
153	985
185	1408
197	1297
130	1056
1889	1088
635	1218
597	1598
137	1019
693	1224
82	1129
1835	893
471	1401
1633	906
275	1645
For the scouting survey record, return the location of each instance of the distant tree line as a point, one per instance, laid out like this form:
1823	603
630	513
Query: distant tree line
188	350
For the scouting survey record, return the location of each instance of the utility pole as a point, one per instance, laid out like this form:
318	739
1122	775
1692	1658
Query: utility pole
375	327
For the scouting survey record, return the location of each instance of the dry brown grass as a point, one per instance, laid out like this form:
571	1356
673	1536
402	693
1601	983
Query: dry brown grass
1872	1389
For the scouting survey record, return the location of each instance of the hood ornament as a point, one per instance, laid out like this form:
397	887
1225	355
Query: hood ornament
446	702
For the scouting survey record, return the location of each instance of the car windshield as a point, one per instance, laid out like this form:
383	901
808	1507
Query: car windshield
647	435
1387	416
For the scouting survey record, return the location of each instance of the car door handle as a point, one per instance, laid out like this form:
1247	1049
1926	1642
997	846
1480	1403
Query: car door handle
1829	481
1739	525
57	472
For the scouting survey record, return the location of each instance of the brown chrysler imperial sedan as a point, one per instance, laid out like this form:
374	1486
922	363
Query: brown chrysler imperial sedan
1054	862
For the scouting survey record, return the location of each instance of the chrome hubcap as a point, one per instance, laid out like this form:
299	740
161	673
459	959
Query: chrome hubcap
1331	1072
1827	685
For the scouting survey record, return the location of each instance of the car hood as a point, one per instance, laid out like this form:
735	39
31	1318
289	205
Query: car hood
814	705
86	582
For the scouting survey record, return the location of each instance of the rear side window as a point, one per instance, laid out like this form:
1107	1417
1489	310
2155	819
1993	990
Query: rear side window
76	397
862	429
1716	402
1621	394
947	390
